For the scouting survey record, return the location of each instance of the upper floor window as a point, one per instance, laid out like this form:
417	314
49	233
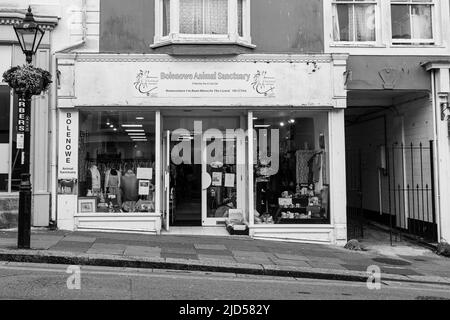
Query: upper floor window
412	21
205	21
354	20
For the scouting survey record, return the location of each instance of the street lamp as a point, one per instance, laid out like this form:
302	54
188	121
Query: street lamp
29	35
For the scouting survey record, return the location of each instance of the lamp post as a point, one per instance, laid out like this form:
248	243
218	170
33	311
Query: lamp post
29	35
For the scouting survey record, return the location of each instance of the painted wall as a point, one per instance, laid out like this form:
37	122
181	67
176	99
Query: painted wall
289	26
367	73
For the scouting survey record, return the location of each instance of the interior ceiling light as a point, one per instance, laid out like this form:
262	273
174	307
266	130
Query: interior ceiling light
131	125
139	118
136	134
134	130
262	125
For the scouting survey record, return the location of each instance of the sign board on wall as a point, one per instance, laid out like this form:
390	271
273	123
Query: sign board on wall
68	145
244	81
204	81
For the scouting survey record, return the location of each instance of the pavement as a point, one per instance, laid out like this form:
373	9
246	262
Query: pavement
233	254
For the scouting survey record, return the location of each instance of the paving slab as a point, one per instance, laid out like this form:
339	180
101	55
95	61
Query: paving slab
215	257
298	263
214	252
178	256
210	246
116	249
79	239
142	251
291	257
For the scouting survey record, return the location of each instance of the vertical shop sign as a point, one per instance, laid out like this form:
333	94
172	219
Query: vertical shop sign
23	124
68	145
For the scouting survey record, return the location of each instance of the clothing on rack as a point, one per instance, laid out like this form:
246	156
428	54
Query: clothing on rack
302	169
112	184
95	178
317	170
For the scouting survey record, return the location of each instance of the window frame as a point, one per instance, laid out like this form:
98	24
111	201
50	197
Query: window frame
175	37
415	41
378	29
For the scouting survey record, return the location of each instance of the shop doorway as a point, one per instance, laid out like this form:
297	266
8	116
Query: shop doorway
202	185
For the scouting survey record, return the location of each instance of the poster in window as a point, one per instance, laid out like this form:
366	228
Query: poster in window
217	179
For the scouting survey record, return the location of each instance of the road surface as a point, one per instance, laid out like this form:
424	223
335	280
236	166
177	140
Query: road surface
42	281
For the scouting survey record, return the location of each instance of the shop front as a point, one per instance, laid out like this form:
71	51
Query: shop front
251	145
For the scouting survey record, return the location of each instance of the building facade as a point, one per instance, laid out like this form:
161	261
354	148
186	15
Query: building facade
396	140
178	115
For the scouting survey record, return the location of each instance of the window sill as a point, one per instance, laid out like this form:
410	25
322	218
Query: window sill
356	45
201	40
202	47
402	45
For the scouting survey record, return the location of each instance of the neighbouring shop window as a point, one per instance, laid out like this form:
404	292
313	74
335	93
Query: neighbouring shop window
354	20
4	136
291	169
116	162
412	21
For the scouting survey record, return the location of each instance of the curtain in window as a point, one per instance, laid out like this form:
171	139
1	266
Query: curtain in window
191	16
204	16
343	26
240	17
216	16
365	22
348	18
336	28
166	17
421	22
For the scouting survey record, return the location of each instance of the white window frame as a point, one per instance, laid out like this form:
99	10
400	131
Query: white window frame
175	37
378	31
434	24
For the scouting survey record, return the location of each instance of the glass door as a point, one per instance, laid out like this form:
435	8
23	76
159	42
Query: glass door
221	176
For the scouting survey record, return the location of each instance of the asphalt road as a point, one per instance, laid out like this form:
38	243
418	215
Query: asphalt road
40	281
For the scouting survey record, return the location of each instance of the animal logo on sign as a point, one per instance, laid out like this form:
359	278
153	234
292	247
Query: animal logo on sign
262	84
145	83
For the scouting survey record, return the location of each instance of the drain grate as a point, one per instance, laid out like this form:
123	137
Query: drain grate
393	262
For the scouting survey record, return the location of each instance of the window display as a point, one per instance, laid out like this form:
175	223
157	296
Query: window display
291	183
116	162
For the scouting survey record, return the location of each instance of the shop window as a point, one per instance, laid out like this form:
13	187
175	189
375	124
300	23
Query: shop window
291	169
4	135
354	20
412	21
205	21
116	162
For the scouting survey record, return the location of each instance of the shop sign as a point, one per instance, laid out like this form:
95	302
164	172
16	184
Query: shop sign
207	81
68	145
23	124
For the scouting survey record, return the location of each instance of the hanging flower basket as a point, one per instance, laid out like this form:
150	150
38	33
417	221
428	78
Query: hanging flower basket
27	79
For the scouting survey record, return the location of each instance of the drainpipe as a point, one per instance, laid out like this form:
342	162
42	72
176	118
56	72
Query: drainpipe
53	112
436	119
